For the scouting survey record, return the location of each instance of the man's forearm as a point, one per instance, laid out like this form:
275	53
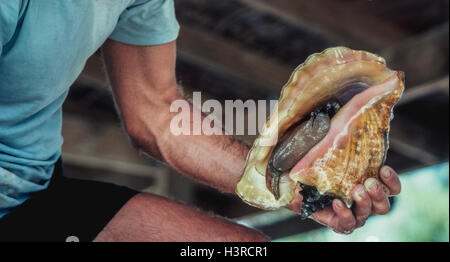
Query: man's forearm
144	85
215	160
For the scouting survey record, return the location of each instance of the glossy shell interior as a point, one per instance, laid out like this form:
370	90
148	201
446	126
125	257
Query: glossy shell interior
354	148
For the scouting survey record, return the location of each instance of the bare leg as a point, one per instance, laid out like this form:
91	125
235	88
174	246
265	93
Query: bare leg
147	217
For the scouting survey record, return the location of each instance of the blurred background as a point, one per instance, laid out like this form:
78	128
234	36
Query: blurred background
246	49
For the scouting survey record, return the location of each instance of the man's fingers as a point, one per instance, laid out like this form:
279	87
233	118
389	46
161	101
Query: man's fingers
362	205
369	199
347	221
380	202
391	180
325	216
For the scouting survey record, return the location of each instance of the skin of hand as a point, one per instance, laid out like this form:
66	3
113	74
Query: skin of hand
369	200
144	86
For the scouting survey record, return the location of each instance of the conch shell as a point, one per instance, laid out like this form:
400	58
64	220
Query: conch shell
355	146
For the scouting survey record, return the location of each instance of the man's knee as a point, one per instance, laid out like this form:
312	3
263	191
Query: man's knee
244	234
151	218
254	237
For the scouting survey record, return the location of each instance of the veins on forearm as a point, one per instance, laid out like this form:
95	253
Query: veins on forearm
215	160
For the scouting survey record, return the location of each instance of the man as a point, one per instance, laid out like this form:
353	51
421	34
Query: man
43	47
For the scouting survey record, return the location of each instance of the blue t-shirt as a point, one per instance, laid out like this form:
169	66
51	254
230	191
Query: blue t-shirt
44	45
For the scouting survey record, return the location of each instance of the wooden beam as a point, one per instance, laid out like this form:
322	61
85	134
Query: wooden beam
413	151
423	57
415	93
337	20
230	59
414	141
214	53
93	161
103	146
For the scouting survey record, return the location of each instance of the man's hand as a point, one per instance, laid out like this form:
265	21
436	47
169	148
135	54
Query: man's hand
370	199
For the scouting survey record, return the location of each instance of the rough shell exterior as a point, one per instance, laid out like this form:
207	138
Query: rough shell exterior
356	153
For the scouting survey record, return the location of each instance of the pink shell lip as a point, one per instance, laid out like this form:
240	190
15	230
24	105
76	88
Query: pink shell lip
344	116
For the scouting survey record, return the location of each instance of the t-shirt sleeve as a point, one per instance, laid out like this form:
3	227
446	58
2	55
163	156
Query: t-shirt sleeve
148	22
9	16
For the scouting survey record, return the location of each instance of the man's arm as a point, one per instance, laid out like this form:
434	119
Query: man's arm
144	85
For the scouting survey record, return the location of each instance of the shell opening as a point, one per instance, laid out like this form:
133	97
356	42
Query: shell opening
300	138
